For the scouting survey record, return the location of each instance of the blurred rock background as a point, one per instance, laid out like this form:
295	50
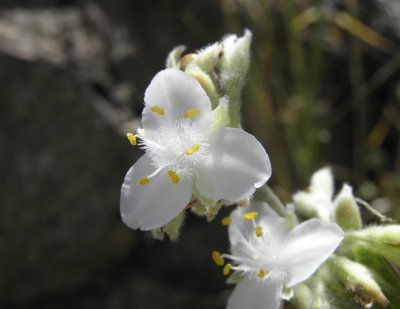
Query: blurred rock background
323	89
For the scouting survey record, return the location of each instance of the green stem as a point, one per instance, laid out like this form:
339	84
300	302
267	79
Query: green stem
266	194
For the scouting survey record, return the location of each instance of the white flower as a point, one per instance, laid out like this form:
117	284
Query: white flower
270	257
185	153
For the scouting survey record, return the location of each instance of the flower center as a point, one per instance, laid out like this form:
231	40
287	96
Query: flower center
180	148
254	254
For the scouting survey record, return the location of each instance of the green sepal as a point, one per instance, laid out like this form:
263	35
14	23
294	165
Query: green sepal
172	229
220	115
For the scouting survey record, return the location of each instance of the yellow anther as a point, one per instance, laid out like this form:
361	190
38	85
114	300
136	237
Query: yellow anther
262	273
251	215
226	221
174	176
157	109
227	269
192	113
259	231
144	180
216	256
131	138
193	149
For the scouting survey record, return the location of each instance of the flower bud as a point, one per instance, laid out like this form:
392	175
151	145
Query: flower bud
387	278
173	59
303	298
312	205
206	83
384	240
208	57
387	234
320	297
347	212
233	71
316	201
185	61
322	181
235	60
359	281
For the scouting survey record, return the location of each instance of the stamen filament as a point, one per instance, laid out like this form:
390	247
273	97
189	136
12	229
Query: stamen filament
146	179
156	171
157	109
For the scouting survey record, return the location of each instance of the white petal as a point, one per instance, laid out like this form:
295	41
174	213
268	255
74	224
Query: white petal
176	93
236	165
155	204
322	182
306	247
256	294
314	204
271	223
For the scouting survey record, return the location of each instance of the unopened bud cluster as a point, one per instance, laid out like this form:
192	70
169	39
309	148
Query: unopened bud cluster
357	273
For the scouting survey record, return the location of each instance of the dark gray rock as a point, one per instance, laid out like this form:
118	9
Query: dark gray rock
61	166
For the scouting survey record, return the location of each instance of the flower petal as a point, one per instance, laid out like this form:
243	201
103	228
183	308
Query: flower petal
322	182
176	93
267	218
306	247
256	294
154	204
236	165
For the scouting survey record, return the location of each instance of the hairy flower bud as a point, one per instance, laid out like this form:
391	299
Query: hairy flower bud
384	240
347	212
174	57
359	281
233	71
206	83
235	59
207	58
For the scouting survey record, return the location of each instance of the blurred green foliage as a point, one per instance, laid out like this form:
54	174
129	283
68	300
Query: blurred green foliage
323	89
